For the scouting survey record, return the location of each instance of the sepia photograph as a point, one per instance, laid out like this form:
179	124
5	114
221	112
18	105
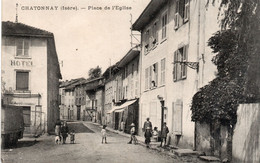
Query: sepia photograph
130	81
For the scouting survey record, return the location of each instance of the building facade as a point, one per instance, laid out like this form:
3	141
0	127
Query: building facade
174	59
31	73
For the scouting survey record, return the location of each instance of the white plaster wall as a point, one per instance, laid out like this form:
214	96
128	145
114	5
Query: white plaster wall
246	138
38	71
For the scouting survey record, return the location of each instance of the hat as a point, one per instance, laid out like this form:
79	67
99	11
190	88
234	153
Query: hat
132	124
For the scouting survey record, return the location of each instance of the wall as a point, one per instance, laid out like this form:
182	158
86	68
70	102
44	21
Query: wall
53	76
149	104
246	138
37	75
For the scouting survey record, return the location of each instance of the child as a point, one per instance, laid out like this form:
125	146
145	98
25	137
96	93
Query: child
155	133
104	134
147	135
132	132
72	137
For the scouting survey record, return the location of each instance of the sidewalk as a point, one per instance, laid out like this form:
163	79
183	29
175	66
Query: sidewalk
187	155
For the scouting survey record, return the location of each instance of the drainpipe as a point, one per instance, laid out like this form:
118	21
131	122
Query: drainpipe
197	80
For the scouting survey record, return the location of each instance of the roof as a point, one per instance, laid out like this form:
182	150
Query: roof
149	13
71	82
20	29
131	54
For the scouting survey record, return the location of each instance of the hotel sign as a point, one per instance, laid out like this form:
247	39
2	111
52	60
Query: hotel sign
21	63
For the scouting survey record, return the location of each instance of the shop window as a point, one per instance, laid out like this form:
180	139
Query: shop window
22	47
22	81
180	60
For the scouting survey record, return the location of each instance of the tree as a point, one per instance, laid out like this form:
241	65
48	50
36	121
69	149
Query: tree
237	57
94	72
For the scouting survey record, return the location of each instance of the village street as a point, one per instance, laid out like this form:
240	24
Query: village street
88	148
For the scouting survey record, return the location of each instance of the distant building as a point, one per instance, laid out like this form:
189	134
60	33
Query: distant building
126	92
67	98
30	75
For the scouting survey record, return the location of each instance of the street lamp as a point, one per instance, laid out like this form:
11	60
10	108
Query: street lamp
160	98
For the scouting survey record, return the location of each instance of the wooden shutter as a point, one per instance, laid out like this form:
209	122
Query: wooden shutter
22	80
177	118
175	64
186	10
176	15
184	59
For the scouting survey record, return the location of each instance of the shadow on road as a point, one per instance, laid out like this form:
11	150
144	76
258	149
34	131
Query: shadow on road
79	128
21	144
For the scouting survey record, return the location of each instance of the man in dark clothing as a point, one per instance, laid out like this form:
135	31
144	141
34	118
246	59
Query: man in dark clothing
147	123
165	131
64	131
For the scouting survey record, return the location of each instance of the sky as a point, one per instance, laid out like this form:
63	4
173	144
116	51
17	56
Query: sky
85	38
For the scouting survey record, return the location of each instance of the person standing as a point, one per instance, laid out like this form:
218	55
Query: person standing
58	128
147	135
64	131
147	123
165	131
104	134
132	132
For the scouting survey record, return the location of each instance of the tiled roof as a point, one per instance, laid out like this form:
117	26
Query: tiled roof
20	29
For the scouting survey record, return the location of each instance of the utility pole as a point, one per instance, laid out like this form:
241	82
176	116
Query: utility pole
133	35
16	17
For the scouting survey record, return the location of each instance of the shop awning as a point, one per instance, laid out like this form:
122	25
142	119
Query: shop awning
121	108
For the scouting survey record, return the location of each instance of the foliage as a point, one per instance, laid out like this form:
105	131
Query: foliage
237	59
94	72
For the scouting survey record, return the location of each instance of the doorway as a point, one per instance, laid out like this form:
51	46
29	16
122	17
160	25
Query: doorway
78	112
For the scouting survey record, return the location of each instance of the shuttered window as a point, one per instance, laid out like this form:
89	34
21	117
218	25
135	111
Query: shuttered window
177	118
163	71
22	81
164	25
180	63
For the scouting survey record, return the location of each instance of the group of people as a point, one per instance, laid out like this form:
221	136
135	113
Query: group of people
62	132
148	133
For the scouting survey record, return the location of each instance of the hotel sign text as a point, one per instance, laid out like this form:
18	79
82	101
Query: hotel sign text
21	63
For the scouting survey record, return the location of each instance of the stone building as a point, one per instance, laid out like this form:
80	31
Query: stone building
175	63
30	75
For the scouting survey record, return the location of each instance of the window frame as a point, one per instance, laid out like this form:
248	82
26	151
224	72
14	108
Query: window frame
22	71
179	66
23	40
164	22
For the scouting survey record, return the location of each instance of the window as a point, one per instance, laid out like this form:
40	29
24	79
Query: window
22	47
154	74
151	76
22	80
164	23
155	33
163	71
146	41
180	67
182	11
